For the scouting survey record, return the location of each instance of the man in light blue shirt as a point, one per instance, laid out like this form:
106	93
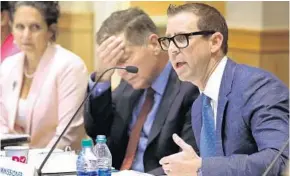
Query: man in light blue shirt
129	38
158	86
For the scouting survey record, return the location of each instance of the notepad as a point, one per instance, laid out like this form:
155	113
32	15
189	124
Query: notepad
58	162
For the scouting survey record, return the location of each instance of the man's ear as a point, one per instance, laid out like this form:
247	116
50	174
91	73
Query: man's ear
153	44
216	41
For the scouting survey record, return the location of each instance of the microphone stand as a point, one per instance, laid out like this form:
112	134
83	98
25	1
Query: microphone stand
276	158
128	68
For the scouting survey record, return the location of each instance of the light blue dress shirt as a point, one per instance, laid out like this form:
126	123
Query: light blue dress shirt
158	86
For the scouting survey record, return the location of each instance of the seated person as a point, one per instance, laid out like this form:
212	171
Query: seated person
241	119
142	113
8	48
42	86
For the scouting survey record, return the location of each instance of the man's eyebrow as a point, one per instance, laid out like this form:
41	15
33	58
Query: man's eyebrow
167	35
176	33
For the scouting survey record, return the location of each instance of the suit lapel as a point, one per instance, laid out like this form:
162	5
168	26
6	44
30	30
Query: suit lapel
131	97
170	93
126	99
16	85
38	81
225	89
196	118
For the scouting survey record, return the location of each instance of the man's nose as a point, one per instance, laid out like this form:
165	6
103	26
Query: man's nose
172	48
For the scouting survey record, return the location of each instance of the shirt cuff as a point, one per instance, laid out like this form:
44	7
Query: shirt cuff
100	87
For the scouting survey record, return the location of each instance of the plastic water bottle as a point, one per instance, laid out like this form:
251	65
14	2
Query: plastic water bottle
104	157
87	161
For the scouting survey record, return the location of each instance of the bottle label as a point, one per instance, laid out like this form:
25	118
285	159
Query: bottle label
92	173
104	172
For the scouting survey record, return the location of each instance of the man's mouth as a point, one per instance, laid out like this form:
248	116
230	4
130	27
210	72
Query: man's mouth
180	64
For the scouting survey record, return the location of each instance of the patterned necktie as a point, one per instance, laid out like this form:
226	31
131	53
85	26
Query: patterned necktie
136	130
207	135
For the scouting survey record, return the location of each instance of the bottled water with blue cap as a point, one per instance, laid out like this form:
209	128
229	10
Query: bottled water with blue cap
87	161
104	157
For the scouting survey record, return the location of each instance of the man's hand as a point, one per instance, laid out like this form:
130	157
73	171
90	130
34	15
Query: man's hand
108	54
185	163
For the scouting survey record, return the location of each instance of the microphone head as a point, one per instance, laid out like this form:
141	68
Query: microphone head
131	69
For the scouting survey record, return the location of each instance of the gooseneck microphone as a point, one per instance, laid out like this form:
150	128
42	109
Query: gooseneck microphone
276	158
130	69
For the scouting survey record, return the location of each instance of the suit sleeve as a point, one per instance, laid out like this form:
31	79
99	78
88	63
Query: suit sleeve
99	113
266	112
71	84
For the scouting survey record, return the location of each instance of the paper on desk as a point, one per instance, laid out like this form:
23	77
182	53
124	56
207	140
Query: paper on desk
9	167
130	173
2	153
59	161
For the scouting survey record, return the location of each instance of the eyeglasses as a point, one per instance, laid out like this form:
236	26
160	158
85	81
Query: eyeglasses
180	40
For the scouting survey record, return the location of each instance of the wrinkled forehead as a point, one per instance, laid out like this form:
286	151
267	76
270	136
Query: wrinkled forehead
183	22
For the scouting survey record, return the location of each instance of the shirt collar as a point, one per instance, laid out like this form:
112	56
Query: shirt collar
213	84
159	84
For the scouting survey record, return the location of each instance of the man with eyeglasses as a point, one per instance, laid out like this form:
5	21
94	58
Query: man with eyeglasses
141	114
241	118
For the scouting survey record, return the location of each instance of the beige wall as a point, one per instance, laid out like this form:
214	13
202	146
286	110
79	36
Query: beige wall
76	29
240	14
76	6
259	35
276	15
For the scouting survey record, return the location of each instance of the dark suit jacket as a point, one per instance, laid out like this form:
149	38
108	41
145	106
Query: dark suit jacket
252	123
111	114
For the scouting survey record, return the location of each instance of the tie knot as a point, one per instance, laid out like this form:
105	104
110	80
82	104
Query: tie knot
150	92
205	99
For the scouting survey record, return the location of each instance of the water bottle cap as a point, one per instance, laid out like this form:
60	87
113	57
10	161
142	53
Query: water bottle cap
87	143
101	138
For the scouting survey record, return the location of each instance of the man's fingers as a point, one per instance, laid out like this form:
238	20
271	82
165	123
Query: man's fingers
115	51
183	145
167	168
110	56
171	158
111	46
104	45
164	160
118	56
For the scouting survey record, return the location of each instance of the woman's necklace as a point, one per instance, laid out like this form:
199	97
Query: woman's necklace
29	76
